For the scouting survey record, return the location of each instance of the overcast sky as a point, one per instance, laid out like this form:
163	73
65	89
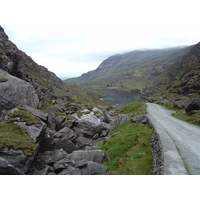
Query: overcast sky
71	37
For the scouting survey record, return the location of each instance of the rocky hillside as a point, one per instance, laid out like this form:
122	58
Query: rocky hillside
20	65
42	129
180	82
132	70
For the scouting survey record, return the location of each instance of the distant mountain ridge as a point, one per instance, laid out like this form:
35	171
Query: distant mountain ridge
132	70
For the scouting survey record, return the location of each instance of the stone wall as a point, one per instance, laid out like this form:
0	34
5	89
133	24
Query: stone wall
157	151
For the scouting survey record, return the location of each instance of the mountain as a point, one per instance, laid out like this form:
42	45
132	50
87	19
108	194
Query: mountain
132	70
180	80
19	64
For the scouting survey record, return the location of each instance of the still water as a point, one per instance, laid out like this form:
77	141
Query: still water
121	97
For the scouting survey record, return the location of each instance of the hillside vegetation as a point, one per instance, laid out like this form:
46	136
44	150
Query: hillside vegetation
132	70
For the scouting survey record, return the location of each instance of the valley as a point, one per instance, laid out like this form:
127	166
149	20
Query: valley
95	124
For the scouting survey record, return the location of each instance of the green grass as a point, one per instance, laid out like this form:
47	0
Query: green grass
24	116
3	80
14	137
193	119
133	109
129	150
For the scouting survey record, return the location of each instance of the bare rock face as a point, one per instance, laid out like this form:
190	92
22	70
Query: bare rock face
15	93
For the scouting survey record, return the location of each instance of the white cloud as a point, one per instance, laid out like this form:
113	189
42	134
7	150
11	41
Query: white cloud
75	36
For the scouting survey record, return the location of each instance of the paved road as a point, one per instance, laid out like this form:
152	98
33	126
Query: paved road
180	140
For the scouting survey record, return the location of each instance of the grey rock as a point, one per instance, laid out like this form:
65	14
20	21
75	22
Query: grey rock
81	164
104	134
194	104
7	169
44	171
94	168
35	132
66	145
16	93
38	113
117	120
87	155
55	108
96	136
80	141
139	118
60	165
192	112
164	101
15	160
51	157
60	122
51	121
71	171
67	133
59	154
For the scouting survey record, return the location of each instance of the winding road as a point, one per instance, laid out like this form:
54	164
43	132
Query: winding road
180	140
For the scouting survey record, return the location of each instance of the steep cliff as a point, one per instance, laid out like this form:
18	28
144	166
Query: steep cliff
20	65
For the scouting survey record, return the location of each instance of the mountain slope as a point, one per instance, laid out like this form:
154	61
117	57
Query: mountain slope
182	78
133	69
20	65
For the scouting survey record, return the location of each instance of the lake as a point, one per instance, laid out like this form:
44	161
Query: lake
121	97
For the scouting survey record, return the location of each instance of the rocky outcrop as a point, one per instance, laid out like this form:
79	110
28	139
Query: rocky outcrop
15	93
193	106
20	141
20	65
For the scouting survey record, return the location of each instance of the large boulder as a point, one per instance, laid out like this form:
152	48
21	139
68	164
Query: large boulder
194	104
15	93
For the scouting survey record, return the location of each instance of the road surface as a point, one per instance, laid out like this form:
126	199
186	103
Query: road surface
180	140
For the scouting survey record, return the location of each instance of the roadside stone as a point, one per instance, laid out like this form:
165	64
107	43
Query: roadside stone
139	118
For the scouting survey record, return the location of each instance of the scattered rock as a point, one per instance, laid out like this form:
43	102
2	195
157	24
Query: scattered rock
140	118
94	168
71	171
89	155
66	145
194	104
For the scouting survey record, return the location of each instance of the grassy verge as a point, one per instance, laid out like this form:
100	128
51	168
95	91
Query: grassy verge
193	119
129	150
133	109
